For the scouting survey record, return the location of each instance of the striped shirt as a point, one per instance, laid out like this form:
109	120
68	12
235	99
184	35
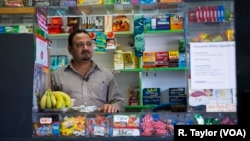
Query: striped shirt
97	88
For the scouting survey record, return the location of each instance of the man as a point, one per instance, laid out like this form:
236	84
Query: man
86	82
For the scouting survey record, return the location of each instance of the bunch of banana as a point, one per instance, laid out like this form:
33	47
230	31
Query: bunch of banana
55	99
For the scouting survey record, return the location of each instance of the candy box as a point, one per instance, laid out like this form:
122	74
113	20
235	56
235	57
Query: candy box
177	91
161	59
73	124
176	22
99	124
151	96
153	124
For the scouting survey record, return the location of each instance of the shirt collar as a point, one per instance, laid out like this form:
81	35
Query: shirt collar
93	66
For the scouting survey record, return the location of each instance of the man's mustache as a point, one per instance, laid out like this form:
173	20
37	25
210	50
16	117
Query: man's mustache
85	51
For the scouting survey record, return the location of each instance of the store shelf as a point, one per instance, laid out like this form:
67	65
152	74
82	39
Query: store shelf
17	10
163	31
163	69
140	107
65	35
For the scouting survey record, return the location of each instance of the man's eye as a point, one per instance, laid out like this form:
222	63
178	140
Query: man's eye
88	44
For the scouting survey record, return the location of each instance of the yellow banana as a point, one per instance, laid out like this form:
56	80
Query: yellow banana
63	104
59	99
53	100
43	101
48	101
65	96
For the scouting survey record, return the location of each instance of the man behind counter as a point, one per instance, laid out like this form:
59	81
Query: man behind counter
86	82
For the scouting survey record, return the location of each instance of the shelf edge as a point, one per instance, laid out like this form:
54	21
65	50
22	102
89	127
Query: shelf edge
17	10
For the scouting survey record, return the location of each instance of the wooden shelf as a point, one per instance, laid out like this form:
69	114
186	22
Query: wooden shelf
17	10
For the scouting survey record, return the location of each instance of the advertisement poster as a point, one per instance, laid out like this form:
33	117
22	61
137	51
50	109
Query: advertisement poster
212	87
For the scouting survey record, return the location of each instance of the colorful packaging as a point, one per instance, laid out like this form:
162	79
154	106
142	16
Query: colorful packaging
148	59
73	125
161	59
46	126
153	124
173	58
99	125
126	125
176	22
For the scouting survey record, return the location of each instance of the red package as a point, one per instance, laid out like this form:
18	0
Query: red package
199	17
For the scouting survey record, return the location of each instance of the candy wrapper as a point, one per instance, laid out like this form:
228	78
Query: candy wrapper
73	125
85	109
45	125
153	125
99	125
14	3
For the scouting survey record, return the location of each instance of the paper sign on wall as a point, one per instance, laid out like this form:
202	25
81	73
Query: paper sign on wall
212	65
41	51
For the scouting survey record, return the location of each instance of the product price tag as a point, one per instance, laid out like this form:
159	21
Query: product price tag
46	120
125	132
121	118
100	131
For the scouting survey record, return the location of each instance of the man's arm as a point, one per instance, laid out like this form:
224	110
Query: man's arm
114	95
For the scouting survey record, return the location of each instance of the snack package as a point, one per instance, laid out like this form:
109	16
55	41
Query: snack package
121	23
14	3
99	125
73	125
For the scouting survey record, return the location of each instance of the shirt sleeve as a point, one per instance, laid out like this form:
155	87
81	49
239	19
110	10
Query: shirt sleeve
114	95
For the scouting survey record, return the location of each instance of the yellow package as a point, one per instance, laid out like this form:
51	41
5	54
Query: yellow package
118	60
230	35
89	2
128	60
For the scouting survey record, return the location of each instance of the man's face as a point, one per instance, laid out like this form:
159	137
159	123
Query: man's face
82	49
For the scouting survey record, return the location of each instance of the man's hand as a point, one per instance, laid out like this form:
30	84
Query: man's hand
108	108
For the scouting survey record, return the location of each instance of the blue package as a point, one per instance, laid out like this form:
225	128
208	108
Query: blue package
62	60
53	62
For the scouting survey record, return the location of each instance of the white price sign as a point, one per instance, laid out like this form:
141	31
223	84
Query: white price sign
125	132
121	118
46	120
100	131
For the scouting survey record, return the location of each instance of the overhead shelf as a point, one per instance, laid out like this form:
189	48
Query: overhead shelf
116	9
17	10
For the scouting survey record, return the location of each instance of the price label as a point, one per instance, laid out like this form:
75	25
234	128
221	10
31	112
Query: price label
121	118
125	132
100	131
46	120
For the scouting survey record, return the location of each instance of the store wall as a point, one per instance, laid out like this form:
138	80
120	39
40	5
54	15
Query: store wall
16	85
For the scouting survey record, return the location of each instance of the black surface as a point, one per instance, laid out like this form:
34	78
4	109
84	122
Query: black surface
205	0
16	83
242	59
92	139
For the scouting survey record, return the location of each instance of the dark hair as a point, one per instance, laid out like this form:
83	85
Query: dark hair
72	35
